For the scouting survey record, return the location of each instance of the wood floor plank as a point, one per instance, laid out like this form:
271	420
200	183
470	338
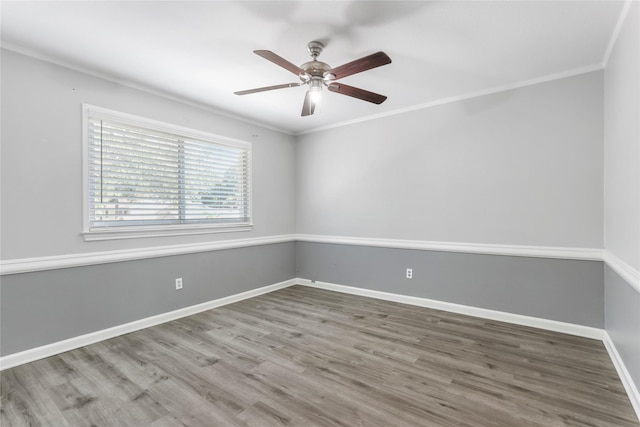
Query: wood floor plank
25	402
307	357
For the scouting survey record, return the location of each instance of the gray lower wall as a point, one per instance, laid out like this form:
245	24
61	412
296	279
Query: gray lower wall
40	308
563	290
622	320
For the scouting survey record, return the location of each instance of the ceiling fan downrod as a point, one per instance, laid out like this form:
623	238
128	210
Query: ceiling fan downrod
315	49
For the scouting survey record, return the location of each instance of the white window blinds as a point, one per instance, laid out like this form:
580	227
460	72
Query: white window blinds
141	176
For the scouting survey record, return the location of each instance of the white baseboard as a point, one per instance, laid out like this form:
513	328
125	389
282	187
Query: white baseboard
52	349
628	383
518	319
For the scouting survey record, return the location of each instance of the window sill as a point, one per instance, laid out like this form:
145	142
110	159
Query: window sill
143	232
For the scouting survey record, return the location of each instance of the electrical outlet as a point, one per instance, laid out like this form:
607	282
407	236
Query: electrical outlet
178	283
409	273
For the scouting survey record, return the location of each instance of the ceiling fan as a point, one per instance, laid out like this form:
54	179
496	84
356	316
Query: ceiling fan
317	74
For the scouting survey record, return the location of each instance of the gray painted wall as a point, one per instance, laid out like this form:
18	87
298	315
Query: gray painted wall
622	143
41	165
521	167
622	320
622	189
49	306
41	212
564	290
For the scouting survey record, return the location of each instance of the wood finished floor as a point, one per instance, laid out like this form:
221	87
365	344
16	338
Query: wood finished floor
307	357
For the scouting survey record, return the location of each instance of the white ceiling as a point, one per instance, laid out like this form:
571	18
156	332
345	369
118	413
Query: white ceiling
201	51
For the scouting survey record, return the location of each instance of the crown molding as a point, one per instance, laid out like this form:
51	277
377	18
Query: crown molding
616	31
137	86
463	97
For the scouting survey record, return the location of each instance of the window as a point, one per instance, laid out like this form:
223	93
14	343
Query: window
146	178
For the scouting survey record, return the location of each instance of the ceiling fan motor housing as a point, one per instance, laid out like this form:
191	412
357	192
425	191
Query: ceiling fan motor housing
315	69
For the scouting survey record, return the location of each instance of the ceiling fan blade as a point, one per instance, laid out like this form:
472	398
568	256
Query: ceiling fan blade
308	107
278	60
363	64
355	92
262	89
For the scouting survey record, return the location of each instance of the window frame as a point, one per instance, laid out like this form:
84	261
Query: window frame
141	231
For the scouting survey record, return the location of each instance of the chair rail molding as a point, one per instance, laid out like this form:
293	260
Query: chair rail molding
26	265
588	254
624	270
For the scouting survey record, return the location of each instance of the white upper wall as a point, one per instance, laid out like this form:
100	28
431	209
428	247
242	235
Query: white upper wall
521	167
41	165
622	143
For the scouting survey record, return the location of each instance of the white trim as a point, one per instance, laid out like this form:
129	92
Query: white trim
169	230
627	381
52	349
616	31
517	319
588	254
25	265
624	270
462	97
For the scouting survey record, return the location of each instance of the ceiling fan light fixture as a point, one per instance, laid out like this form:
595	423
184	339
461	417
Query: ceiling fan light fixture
315	95
315	90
